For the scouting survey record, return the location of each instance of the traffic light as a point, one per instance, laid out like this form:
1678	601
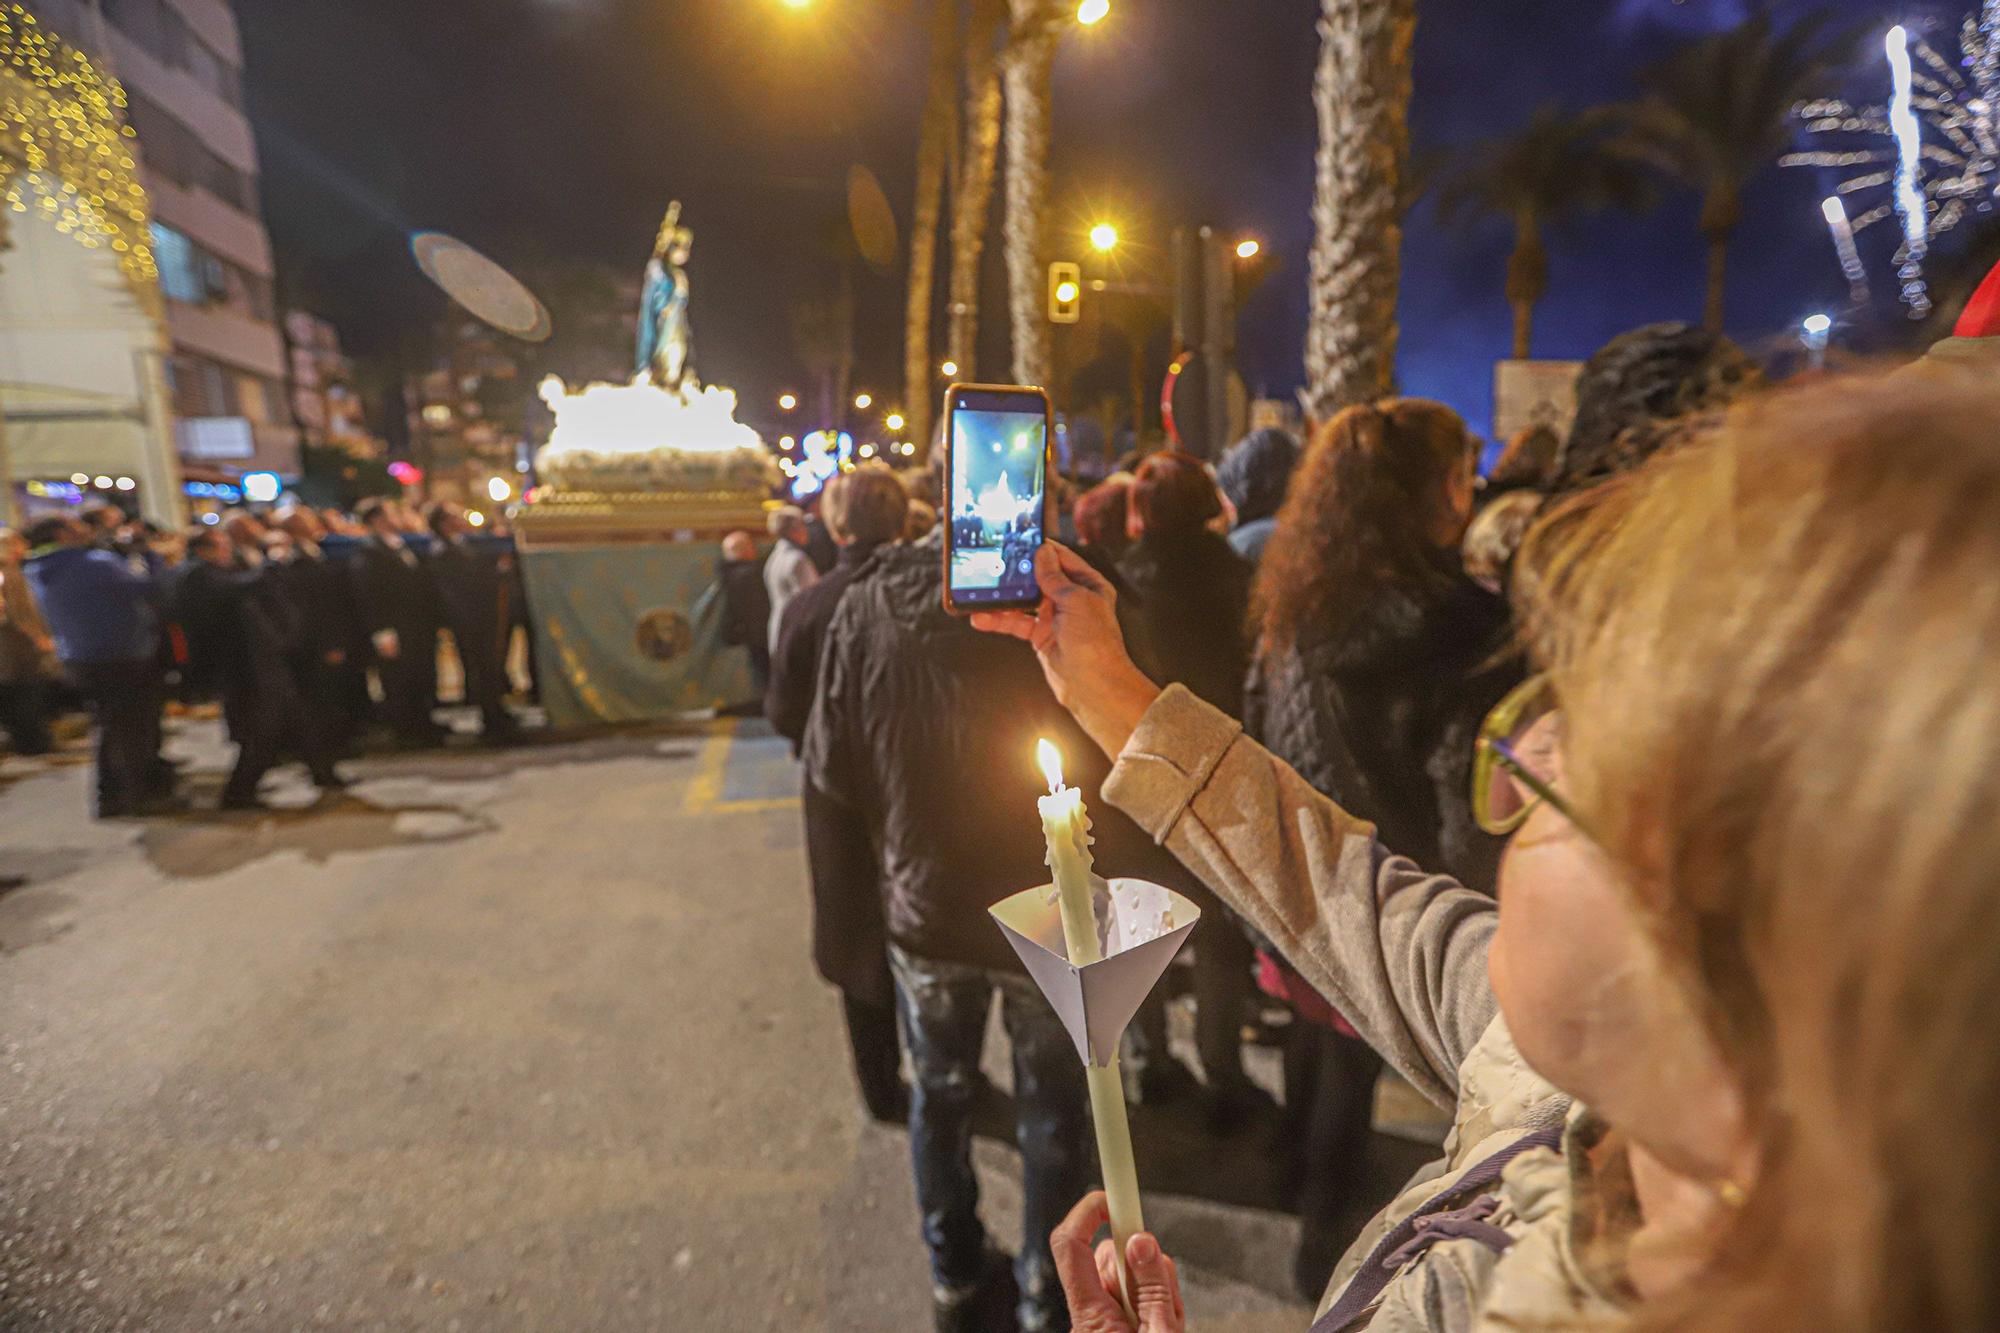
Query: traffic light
1065	293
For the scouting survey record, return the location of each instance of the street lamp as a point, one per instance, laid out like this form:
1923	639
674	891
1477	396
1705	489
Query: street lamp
894	421
1092	12
1813	332
949	370
863	401
1067	292
1104	238
787	401
498	491
1249	248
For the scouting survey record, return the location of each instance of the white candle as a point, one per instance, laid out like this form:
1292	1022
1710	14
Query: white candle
1066	826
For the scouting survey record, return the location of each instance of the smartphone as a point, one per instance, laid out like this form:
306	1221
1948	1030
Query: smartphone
996	495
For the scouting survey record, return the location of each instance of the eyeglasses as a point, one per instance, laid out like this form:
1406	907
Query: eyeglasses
1513	743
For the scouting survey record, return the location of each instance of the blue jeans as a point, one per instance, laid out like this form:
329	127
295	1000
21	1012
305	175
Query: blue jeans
943	1008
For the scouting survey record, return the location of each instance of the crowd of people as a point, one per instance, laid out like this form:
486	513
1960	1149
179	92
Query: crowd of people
314	630
1682	716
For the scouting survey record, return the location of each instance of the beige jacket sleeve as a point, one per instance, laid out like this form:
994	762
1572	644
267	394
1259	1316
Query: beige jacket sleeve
1400	953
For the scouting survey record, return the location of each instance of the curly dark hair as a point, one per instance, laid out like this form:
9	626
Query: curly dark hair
1361	518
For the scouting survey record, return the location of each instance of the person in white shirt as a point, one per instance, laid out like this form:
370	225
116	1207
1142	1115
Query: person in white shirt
789	571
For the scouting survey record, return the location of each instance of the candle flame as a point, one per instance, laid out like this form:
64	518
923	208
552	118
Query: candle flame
1050	759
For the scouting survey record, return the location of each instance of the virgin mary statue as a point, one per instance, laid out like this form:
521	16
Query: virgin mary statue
666	338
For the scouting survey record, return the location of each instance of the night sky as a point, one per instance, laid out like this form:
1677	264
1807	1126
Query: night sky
537	129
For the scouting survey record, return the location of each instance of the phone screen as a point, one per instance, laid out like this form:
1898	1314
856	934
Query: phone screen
999	475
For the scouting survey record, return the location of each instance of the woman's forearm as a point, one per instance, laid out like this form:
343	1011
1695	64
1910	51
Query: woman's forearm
1400	953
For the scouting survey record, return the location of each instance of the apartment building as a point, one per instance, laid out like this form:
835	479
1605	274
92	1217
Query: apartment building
181	63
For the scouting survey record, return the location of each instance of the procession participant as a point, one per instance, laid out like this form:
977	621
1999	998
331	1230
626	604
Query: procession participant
865	510
326	664
104	616
473	593
1738	995
399	612
27	654
237	651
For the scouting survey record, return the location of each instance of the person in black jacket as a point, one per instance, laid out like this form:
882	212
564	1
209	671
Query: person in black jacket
238	651
398	603
926	729
328	664
1376	663
474	592
865	510
1195	591
746	606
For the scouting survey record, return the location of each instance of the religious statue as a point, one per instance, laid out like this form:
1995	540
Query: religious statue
666	337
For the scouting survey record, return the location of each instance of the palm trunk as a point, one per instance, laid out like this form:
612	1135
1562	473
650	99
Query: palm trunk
1031	57
1363	94
940	128
1527	279
972	202
1718	276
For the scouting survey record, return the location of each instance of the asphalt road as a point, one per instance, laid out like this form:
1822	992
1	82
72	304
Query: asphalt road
508	1040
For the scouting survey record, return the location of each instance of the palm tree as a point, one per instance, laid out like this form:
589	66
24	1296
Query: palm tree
972	199
1363	94
934	152
1556	166
1029	69
1719	110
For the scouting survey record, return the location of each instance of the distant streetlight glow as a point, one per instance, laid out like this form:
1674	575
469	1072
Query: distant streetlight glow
1067	292
1092	12
1249	249
498	491
789	443
863	401
949	369
1104	238
787	401
797	4
894	421
1818	325
475	518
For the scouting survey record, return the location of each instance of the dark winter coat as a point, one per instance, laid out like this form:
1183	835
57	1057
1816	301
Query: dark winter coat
746	604
318	586
927	728
393	590
101	607
235	649
1196	595
802	630
1384	718
473	594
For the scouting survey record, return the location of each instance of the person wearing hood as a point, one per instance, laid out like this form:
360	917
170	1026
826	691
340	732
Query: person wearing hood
1254	475
102	610
1377	658
925	730
865	509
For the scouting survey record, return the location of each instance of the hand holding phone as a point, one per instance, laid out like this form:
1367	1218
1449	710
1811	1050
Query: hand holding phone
996	495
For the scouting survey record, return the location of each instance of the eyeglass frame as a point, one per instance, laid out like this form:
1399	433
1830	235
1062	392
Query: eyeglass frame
1492	749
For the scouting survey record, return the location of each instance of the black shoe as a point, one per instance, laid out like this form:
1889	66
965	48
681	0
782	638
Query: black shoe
888	1108
985	1306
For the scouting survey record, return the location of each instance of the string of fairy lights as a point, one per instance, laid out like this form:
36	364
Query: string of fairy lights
66	151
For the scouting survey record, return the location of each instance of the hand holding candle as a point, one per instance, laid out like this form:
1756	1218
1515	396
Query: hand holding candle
1067	828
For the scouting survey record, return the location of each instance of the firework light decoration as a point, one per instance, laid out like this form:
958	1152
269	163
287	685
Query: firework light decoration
1934	158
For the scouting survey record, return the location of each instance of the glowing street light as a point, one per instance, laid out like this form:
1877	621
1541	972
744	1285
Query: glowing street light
949	370
787	401
797	4
789	443
1067	292
1814	330
1249	248
1104	238
894	421
863	401
498	491
1092	12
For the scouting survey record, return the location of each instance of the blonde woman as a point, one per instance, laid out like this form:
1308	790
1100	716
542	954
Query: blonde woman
1721	1056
